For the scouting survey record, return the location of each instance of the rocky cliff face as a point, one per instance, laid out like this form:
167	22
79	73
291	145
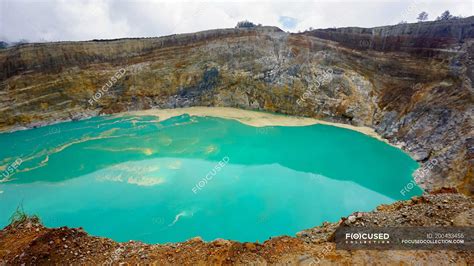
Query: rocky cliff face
412	82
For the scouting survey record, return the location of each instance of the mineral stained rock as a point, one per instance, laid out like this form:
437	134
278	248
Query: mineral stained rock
412	83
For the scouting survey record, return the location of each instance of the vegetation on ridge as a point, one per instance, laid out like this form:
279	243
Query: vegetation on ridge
20	216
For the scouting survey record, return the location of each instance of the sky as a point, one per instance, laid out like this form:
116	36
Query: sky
75	20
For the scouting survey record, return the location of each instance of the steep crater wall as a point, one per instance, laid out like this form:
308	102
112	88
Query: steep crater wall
421	101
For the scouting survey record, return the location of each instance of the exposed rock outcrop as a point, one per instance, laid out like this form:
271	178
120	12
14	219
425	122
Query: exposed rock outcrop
412	82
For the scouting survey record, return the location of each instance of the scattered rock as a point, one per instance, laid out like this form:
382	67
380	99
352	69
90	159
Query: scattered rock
351	218
420	155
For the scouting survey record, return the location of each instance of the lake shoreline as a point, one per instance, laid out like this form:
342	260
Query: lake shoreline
251	118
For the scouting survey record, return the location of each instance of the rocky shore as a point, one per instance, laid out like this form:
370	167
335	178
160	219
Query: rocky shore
29	242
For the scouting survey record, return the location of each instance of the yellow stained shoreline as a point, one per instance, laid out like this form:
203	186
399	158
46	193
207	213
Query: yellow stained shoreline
251	118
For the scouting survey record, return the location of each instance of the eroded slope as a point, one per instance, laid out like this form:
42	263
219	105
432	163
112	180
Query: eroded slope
411	83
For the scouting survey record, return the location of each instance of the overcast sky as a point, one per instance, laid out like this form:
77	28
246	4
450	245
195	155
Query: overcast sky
54	20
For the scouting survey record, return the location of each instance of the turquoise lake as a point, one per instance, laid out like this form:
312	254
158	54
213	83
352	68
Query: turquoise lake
135	178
